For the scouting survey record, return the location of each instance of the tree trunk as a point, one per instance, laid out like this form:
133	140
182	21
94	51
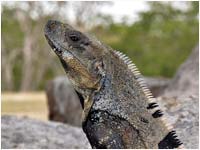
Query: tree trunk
27	66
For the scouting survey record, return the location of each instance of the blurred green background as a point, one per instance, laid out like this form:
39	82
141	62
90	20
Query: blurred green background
158	41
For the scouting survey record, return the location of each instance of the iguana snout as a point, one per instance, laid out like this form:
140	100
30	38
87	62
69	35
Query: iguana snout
75	52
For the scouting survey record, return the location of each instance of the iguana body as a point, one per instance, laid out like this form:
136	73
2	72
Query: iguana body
119	111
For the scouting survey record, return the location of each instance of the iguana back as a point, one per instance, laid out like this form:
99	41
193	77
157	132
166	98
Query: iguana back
118	109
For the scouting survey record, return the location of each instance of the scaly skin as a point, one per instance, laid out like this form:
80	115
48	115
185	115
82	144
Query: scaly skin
118	110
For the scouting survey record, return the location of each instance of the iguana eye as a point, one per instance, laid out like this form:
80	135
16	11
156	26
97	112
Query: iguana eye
74	37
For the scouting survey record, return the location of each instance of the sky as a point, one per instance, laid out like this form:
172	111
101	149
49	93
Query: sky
125	8
117	10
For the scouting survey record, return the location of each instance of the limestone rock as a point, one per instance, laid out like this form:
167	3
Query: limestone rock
25	133
186	79
180	101
63	102
156	85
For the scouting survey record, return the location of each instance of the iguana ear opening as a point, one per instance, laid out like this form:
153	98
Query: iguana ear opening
100	67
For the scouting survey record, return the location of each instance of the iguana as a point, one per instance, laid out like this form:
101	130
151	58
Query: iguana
119	111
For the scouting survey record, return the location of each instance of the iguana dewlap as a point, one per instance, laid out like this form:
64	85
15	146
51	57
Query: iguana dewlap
118	110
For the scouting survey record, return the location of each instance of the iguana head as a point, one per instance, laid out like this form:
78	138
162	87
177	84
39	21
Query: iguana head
80	55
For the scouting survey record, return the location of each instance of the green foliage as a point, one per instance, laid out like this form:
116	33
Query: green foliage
10	25
17	74
160	41
12	40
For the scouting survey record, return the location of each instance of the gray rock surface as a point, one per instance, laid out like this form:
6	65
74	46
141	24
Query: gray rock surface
183	115
25	133
180	101
186	79
63	102
156	85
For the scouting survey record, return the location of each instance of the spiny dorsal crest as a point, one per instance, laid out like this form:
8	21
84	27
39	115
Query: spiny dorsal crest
171	140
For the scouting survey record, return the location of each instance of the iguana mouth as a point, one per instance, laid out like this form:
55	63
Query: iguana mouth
55	48
80	71
62	52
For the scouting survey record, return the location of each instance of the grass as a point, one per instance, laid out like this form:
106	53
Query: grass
32	105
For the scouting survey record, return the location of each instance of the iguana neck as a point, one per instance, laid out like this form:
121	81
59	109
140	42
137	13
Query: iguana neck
112	91
121	95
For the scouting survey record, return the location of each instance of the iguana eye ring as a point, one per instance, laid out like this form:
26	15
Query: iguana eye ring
74	37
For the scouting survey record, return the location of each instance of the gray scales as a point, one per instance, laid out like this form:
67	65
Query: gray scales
119	111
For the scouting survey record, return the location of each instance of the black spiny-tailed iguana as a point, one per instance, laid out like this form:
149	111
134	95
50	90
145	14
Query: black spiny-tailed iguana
119	111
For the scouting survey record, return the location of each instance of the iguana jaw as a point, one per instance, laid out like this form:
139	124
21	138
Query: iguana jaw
77	69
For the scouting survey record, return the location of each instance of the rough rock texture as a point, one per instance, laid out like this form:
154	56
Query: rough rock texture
183	115
156	85
27	133
63	102
180	101
186	80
